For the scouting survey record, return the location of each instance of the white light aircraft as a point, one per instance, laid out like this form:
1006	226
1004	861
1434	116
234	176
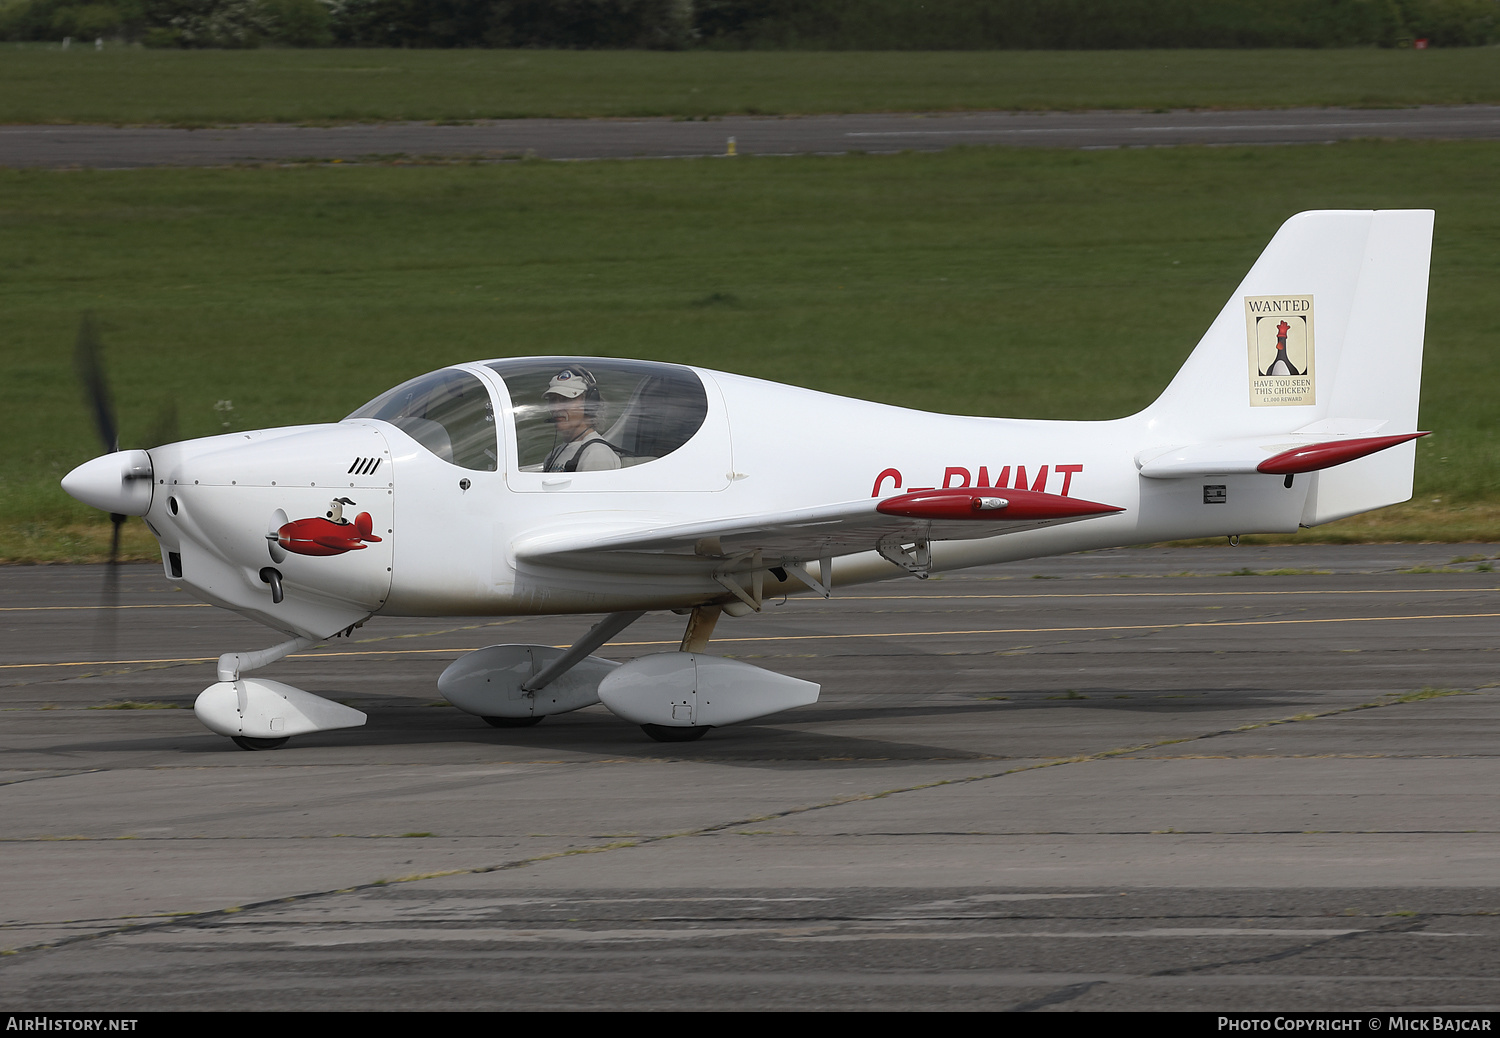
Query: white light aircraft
482	489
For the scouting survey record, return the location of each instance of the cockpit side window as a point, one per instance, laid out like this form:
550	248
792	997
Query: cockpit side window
641	410
449	412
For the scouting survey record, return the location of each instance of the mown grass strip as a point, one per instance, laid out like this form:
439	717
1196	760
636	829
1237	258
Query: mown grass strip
125	85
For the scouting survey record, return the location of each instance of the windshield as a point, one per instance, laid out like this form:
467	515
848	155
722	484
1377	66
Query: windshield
448	412
563	405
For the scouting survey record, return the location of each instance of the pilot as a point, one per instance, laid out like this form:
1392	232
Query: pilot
573	396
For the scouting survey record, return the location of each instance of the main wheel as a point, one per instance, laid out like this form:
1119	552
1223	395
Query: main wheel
513	722
672	733
246	742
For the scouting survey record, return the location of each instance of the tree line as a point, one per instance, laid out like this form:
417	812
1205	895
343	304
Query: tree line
760	24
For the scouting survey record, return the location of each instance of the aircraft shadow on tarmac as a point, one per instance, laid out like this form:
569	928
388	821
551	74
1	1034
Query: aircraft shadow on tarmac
592	731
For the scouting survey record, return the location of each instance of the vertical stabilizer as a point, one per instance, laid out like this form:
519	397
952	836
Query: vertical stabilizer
1322	338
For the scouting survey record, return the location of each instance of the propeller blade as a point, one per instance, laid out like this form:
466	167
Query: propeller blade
88	361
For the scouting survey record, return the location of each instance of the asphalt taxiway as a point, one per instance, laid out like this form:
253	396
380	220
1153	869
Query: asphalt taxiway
1237	778
879	132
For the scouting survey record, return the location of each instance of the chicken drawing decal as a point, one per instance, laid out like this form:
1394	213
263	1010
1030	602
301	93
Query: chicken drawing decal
328	534
1282	365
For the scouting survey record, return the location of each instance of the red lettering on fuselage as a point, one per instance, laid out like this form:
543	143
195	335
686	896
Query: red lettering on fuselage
1066	472
984	477
892	474
957	476
1040	483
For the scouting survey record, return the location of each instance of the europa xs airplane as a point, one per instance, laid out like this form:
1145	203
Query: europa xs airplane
482	489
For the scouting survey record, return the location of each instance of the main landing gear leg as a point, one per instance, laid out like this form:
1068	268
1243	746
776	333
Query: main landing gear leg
516	686
596	636
700	628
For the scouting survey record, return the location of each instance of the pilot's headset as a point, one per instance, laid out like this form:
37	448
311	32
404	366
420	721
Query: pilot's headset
567	382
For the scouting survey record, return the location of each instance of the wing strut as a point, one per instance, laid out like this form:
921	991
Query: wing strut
731	581
823	585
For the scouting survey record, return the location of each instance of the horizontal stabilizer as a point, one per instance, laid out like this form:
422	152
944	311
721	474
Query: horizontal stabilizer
1326	455
1281	456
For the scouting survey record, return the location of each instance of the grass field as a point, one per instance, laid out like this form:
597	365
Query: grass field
44	84
1058	284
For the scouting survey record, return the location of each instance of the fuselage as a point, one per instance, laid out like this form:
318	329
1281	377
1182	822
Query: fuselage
401	517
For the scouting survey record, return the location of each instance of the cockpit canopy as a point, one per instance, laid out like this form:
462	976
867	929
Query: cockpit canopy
449	412
645	410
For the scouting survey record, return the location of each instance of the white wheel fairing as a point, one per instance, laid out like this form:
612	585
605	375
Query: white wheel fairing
487	682
259	708
692	690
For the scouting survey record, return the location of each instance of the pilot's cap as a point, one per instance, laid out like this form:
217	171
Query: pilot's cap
567	384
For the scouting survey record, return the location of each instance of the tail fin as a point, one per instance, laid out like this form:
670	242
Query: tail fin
1322	339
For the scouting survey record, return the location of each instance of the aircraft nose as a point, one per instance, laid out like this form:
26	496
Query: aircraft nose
119	483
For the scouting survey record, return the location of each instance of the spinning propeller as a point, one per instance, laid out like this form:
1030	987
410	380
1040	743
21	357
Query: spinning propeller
117	482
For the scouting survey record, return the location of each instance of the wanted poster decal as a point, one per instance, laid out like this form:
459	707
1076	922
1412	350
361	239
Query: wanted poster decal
1282	368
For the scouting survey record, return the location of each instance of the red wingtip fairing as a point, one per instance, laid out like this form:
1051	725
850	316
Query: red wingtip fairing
972	503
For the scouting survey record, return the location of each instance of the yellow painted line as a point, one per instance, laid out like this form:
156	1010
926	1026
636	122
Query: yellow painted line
1072	630
109	663
53	609
823	637
1168	594
926	598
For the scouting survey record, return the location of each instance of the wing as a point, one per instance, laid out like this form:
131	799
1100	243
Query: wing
752	544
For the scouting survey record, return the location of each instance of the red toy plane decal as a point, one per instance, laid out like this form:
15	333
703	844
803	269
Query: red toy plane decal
329	534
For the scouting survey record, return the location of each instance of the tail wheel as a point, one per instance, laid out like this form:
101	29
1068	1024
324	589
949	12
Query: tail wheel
673	733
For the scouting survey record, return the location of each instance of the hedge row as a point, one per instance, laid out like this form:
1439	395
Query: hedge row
769	24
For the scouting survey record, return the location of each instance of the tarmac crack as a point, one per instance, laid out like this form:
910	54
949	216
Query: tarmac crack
1073	991
1065	994
51	775
1405	925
